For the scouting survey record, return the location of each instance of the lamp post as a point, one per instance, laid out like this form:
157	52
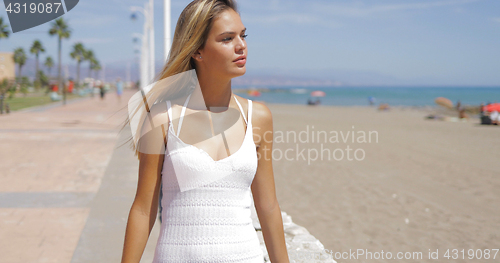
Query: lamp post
147	49
148	12
138	61
166	6
151	40
143	65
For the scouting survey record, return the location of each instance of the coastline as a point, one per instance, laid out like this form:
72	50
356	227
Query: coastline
471	110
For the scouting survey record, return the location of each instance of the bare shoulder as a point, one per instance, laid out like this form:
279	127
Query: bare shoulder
262	122
261	114
157	115
159	109
153	132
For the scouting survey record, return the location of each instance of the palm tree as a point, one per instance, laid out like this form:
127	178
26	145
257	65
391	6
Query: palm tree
88	55
49	63
4	33
78	55
95	66
36	48
20	59
60	28
6	85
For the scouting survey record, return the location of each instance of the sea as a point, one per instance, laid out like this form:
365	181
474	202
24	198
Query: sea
359	96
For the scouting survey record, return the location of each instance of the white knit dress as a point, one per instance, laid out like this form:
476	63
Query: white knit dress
206	203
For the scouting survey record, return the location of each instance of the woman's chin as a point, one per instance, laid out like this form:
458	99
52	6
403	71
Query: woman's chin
238	73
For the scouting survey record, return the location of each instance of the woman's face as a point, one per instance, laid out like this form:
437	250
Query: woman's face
225	44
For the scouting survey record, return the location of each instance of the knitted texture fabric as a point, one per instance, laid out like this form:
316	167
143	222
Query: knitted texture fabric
206	203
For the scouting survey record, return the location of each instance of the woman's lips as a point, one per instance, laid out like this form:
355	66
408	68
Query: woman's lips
241	61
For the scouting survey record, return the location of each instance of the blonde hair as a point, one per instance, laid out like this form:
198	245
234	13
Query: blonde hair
191	33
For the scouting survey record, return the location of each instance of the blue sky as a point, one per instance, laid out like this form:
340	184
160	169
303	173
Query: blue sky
412	42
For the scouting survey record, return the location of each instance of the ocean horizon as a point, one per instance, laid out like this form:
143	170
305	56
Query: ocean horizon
358	96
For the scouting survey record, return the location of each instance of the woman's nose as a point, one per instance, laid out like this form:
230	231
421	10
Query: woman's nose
241	44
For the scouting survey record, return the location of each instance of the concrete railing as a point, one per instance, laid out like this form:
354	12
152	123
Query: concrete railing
301	245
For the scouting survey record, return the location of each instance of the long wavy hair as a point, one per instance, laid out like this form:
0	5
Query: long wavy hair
191	33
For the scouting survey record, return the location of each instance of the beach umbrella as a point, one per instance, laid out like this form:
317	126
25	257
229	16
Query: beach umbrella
318	93
444	102
492	107
254	93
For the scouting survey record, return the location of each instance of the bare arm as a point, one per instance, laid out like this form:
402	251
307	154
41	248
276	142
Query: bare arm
144	209
263	189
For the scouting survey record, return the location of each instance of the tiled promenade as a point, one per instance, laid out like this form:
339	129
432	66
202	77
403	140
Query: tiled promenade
65	183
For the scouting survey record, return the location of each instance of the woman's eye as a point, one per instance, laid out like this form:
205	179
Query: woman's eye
230	38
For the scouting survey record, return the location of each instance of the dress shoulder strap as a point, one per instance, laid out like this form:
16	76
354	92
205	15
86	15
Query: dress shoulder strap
249	111
169	111
241	109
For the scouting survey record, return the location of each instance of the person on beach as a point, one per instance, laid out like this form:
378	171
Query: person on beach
102	90
383	107
495	117
462	114
119	88
70	85
371	100
210	222
458	106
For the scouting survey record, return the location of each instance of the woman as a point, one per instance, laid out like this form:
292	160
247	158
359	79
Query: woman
211	221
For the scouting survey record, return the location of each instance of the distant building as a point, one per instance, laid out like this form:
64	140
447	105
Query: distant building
7	65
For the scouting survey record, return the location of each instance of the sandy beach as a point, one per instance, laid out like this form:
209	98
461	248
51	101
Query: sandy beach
425	184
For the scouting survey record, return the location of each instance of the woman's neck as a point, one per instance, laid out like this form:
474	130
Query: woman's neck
216	93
